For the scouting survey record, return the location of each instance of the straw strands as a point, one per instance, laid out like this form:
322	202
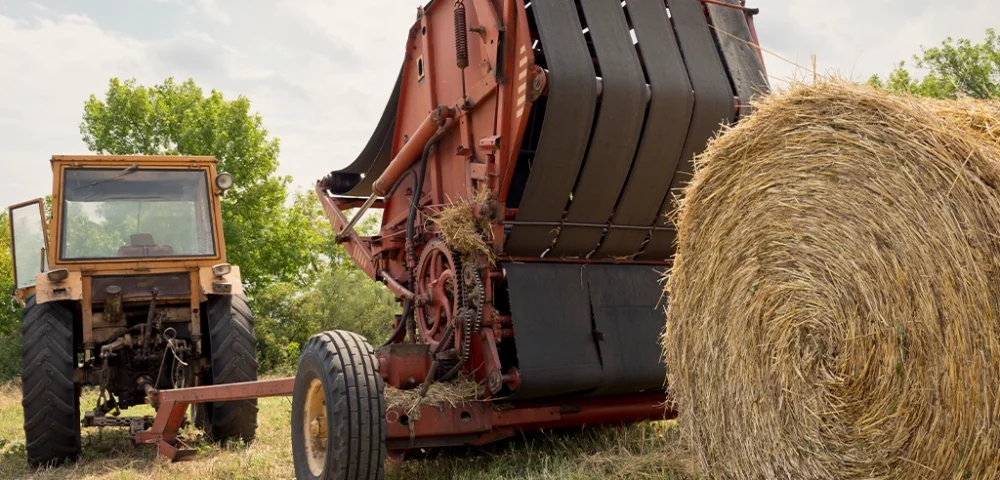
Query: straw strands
460	228
833	306
439	394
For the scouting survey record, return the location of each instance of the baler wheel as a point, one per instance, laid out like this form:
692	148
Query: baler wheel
338	410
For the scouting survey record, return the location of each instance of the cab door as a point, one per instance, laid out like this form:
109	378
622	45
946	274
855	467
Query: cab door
28	240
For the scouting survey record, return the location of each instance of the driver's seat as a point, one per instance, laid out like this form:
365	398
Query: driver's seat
143	245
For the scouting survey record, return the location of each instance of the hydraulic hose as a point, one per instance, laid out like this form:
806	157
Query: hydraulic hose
411	218
407	309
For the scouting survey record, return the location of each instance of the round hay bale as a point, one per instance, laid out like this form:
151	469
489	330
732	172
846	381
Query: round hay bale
833	305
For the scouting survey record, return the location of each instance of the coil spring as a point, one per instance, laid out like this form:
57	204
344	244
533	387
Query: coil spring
461	36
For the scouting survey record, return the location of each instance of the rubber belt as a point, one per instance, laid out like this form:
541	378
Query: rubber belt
355	180
616	133
667	121
557	353
743	62
714	105
572	99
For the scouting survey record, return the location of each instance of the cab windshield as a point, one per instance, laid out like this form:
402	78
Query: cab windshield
130	213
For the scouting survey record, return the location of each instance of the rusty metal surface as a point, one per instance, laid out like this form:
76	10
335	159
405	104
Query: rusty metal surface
404	365
138	287
227	392
481	423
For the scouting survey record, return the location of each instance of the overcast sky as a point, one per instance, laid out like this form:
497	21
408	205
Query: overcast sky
319	71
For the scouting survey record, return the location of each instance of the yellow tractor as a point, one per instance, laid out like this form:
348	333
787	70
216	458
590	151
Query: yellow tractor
127	288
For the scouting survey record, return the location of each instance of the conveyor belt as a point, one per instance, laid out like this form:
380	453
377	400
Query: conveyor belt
616	133
556	350
670	107
627	303
571	102
746	69
586	329
714	105
356	179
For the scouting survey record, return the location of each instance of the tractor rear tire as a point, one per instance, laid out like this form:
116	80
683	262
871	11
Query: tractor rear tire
232	345
338	410
50	399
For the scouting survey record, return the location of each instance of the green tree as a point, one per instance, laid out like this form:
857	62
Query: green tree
336	294
10	312
955	68
262	235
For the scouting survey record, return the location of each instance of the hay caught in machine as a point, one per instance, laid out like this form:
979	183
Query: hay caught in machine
462	231
451	393
834	302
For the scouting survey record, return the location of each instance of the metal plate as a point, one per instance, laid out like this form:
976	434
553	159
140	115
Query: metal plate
356	179
616	133
670	108
571	102
715	105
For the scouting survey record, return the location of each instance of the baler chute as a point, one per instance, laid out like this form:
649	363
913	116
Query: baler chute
578	119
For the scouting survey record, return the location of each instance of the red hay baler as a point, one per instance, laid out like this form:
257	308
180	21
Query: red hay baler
563	127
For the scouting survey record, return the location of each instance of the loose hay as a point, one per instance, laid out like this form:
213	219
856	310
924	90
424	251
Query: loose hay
461	230
439	394
833	304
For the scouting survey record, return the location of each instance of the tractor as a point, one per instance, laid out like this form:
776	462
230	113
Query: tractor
126	288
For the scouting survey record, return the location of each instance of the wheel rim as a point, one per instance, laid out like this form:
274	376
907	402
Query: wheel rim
314	427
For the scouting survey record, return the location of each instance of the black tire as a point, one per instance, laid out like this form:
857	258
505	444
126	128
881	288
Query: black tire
49	397
232	347
345	367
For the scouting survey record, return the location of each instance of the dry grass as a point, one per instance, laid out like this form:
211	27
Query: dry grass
643	451
462	231
440	394
834	301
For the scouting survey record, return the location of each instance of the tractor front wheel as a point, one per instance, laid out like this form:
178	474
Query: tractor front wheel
338	410
50	399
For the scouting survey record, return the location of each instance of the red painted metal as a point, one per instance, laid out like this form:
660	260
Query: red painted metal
411	151
172	404
477	423
404	365
359	249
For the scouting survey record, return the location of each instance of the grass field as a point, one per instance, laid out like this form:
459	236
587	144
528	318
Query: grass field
641	451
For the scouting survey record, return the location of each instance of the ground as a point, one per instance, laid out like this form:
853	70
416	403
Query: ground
648	450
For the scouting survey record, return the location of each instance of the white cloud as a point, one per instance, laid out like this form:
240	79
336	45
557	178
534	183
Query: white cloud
319	71
211	8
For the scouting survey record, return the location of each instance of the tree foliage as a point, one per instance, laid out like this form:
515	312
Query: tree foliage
300	280
10	315
178	118
955	68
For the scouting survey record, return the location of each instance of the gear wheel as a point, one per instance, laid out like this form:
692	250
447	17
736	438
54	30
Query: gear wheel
472	288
